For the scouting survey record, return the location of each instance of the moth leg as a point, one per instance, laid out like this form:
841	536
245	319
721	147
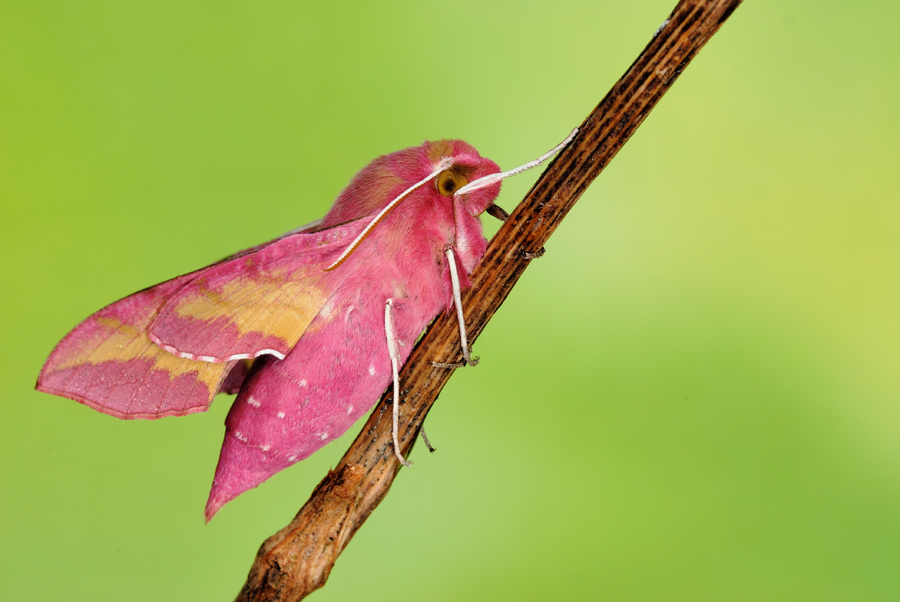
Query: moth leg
425	439
395	361
497	211
454	279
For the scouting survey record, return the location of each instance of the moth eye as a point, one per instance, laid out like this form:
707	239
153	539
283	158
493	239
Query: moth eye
449	182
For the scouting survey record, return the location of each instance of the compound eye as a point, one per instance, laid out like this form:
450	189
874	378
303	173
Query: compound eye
449	182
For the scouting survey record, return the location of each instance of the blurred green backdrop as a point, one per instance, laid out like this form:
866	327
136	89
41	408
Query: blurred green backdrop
704	405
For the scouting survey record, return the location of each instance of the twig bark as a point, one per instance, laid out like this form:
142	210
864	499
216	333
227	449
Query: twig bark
298	559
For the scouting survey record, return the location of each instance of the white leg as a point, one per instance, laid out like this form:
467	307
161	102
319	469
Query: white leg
457	300
395	362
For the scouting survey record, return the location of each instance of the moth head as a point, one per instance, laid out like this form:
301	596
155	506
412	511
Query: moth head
466	167
455	168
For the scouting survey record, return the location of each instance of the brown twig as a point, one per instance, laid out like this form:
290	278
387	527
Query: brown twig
298	559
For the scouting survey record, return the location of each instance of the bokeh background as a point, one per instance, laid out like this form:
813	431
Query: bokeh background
694	395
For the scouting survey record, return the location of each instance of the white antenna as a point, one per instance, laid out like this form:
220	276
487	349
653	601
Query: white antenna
445	163
496	177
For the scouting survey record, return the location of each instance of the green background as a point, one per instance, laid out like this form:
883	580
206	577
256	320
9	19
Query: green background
694	395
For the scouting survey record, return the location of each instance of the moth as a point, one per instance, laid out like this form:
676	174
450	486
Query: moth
308	329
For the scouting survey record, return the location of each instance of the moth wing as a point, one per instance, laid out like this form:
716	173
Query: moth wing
108	363
288	409
254	303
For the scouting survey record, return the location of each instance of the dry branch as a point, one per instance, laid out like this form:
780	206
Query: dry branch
298	559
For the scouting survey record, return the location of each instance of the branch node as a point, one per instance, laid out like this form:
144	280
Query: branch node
539	253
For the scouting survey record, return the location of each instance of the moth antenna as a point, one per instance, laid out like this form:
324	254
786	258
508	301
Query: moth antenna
457	300
496	177
395	361
445	163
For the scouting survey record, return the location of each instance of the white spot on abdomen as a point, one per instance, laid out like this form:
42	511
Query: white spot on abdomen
349	409
371	369
291	458
264	447
302	383
323	436
280	414
240	436
253	401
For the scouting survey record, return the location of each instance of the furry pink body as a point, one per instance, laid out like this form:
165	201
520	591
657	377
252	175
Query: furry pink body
169	349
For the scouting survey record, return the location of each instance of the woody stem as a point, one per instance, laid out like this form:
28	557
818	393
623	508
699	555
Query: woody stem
298	559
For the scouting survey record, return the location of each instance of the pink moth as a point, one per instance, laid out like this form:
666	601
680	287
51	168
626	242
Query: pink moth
308	329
